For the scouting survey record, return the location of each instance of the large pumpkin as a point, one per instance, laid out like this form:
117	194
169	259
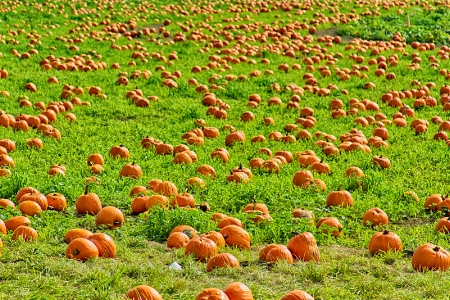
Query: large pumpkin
385	241
104	243
81	249
238	291
222	260
235	236
88	203
430	257
304	247
202	248
110	216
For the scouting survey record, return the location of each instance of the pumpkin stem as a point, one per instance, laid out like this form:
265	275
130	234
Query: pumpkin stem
240	166
436	249
385	232
295	233
340	188
132	163
86	189
225	236
121	146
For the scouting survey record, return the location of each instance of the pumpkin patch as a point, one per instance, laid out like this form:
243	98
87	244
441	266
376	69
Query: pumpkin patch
261	149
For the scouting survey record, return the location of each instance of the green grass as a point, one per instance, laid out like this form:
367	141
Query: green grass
346	270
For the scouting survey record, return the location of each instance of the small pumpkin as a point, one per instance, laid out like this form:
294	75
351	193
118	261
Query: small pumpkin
56	201
375	216
119	152
131	170
326	223
340	198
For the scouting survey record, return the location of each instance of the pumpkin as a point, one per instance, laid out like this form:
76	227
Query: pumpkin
235	137
163	149
6	160
183	200
297	295
35	197
230	221
56	201
237	177
382	162
5	203
235	236
26	233
196	182
188	230
143	292
166	188
212	294
244	170
35	142
138	205
302	213
14	222
104	243
304	247
320	167
443	225
119	152
81	249
238	291
30	208
96	158
177	240
88	203
255	207
325	223
222	260
76	233
302	178
221	155
340	198
281	253
131	170
430	257
152	184
215	237
3	227
110	216
375	216
202	248
432	202
156	200
206	170
383	242
217	217
354	172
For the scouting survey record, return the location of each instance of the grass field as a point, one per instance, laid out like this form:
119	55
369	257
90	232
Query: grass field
147	35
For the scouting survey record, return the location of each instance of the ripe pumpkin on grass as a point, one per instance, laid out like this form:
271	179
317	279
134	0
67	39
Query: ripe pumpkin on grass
143	292
88	203
383	242
222	260
326	223
297	295
304	247
238	291
212	294
56	201
14	222
340	198
375	216
177	240
188	230
430	257
81	249
110	216
202	248
26	233
104	243
30	208
235	236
